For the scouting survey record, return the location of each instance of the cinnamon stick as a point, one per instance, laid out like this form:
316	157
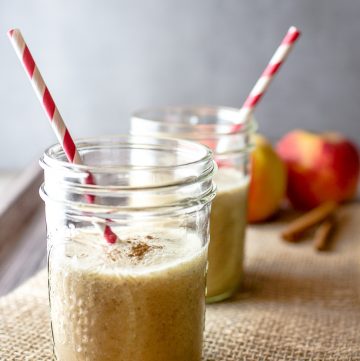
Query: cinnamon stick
297	228
323	234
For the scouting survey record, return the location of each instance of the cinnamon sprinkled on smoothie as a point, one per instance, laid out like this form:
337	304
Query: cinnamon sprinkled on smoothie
139	250
114	254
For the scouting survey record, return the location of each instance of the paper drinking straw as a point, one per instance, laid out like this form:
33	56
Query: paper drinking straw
53	114
268	74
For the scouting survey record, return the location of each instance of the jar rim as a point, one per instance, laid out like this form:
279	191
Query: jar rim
199	169
231	119
193	160
51	155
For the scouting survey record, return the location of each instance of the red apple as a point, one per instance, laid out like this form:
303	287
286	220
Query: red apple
321	167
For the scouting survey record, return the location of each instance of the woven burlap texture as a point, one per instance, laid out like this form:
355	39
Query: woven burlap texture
296	304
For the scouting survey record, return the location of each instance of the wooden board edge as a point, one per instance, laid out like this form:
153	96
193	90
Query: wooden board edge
19	201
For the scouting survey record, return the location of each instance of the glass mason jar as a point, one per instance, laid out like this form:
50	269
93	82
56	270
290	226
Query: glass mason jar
228	135
142	297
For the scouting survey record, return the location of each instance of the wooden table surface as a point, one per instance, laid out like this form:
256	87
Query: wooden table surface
22	239
5	179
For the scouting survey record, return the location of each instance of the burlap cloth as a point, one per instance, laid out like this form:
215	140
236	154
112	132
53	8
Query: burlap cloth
297	304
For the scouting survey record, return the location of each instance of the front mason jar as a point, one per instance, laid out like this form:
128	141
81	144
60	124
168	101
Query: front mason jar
228	134
141	298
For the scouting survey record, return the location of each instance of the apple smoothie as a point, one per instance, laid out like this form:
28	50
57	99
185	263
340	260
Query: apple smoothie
141	299
227	132
227	233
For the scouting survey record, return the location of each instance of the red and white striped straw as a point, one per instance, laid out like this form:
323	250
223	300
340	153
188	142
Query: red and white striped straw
53	114
268	74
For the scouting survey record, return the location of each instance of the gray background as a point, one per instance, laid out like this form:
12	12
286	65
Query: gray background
104	59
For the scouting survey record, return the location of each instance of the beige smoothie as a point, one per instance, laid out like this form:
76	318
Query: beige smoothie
139	300
227	232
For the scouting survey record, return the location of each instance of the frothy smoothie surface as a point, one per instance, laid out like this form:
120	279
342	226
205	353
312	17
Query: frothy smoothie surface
142	299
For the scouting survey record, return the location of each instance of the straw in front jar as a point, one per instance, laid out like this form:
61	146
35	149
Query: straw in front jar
54	116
